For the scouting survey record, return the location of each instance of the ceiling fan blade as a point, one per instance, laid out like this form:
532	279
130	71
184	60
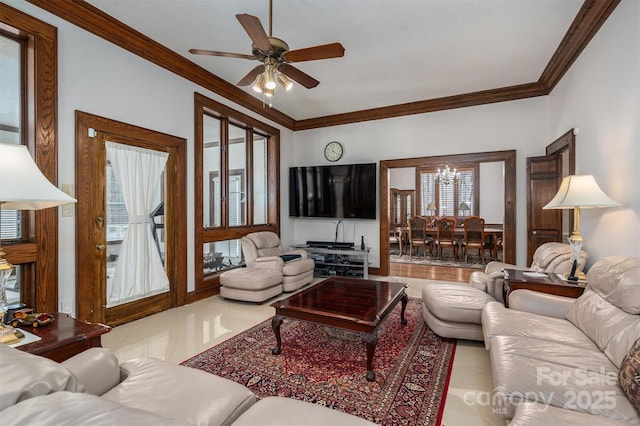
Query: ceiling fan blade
256	32
248	79
225	54
325	51
297	75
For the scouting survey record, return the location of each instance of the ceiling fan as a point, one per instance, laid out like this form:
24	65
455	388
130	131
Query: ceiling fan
275	57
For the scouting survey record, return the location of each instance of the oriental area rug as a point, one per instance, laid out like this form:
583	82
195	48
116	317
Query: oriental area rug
327	366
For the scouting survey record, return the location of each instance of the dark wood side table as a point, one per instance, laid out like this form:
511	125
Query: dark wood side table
65	338
550	283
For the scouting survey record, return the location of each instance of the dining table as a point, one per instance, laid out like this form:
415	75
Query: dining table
494	232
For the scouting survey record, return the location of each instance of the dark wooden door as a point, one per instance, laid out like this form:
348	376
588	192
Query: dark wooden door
544	175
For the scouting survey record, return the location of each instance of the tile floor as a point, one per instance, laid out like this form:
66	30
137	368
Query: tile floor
180	333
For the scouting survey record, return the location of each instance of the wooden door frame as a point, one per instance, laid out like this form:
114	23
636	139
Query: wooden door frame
566	142
88	286
509	226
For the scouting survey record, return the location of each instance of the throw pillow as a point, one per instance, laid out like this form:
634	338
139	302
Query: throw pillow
629	375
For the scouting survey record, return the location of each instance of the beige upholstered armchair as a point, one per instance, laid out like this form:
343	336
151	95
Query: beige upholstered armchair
549	257
263	250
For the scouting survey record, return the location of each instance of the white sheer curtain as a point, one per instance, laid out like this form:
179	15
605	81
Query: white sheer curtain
139	272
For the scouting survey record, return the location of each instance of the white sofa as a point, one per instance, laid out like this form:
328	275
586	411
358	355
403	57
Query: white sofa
569	360
93	389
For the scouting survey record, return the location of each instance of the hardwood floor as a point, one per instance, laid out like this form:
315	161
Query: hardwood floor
442	273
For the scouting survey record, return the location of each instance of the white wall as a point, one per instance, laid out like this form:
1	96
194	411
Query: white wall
402	178
100	78
492	192
601	95
520	125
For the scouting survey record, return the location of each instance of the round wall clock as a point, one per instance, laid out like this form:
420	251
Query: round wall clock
333	151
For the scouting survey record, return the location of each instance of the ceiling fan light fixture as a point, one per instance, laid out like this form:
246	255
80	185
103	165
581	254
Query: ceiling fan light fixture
285	82
258	85
269	80
269	92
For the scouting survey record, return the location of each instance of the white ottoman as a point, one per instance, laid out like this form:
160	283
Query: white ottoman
251	285
454	310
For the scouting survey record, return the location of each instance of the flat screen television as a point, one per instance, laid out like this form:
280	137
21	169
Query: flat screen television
339	191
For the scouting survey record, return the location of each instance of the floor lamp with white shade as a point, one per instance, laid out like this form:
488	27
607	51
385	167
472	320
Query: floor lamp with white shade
22	187
578	192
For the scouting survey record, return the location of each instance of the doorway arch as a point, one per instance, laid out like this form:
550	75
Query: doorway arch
509	226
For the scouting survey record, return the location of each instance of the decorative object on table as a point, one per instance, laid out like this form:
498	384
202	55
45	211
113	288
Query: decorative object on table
22	187
463	208
431	207
29	318
362	242
576	192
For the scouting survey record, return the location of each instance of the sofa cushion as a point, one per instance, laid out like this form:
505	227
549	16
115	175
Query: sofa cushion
560	375
66	408
500	321
26	376
267	243
297	267
181	393
275	411
537	414
605	323
250	278
629	375
455	302
555	257
617	280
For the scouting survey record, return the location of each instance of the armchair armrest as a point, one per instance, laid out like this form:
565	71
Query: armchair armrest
269	262
97	369
545	304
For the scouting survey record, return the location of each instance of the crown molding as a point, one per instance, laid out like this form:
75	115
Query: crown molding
586	24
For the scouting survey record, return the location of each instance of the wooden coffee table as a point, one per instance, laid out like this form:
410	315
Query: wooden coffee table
347	303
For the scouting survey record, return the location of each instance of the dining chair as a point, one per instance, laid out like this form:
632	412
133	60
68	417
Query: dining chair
394	238
445	236
474	237
418	236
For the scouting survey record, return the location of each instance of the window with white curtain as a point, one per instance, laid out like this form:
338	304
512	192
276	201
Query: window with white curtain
117	216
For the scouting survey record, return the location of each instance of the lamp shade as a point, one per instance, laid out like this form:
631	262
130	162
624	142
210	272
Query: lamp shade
464	207
580	191
431	206
22	184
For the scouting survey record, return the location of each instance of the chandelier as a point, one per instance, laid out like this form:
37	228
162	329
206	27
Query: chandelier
266	84
446	176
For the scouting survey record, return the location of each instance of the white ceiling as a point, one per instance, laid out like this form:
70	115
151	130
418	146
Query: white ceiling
396	51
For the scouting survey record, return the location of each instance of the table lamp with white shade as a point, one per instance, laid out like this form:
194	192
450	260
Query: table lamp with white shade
578	192
22	187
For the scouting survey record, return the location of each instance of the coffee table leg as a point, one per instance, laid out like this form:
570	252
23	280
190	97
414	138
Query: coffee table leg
371	340
404	301
276	321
